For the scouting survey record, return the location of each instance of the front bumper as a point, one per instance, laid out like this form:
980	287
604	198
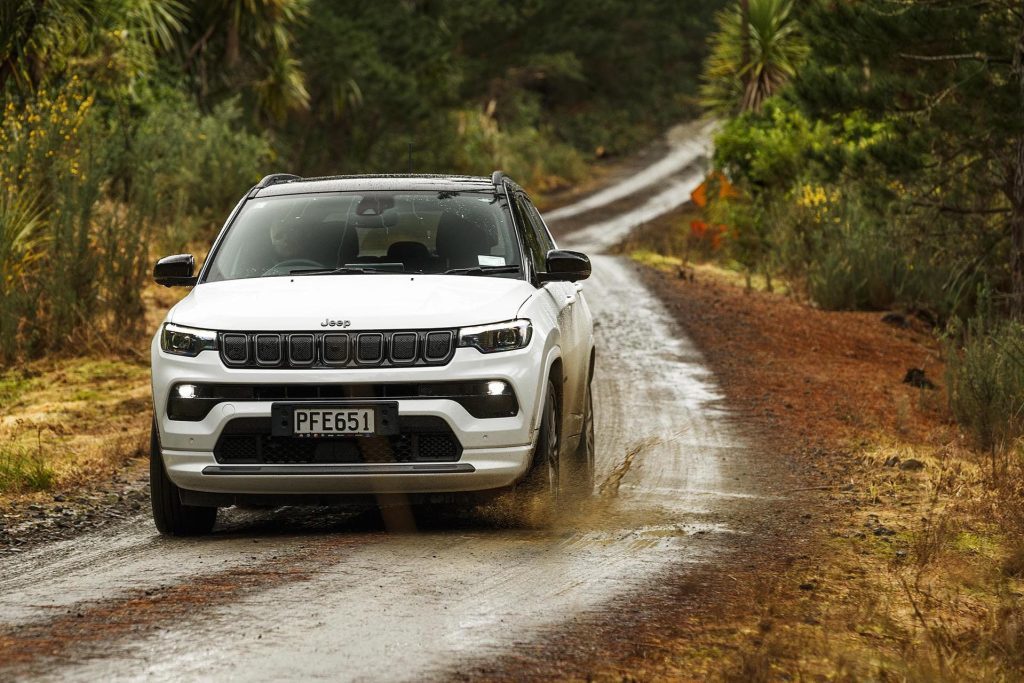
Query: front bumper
495	451
480	469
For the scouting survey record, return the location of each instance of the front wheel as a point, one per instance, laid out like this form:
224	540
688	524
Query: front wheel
540	490
170	516
584	462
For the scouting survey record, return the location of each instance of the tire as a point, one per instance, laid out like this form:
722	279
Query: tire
170	516
584	459
540	490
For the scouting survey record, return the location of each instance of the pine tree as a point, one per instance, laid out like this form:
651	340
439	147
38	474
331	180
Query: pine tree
948	77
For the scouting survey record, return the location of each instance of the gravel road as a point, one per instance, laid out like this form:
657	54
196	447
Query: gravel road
300	594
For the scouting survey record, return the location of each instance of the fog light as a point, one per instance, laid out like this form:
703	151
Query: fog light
190	402
496	388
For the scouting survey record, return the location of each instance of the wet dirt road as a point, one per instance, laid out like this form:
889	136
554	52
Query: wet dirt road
300	594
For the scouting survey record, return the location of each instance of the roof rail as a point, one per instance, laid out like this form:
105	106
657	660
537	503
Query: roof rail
273	179
497	178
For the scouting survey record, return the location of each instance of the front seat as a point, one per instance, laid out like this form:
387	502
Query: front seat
348	251
414	256
460	242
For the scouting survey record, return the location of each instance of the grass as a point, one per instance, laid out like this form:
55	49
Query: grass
69	422
668	263
908	575
22	470
939	600
13	384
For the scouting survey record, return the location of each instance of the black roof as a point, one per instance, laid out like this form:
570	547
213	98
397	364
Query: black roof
281	184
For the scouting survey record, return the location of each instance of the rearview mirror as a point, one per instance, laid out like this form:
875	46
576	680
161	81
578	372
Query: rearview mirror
565	266
175	271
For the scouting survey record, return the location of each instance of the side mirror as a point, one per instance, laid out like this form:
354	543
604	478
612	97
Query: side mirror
566	266
175	271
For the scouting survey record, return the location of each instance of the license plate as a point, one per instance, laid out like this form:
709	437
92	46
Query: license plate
331	421
334	420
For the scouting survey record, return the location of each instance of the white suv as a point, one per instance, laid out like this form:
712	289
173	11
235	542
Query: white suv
364	335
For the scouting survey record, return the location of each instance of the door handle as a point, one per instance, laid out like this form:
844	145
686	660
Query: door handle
570	300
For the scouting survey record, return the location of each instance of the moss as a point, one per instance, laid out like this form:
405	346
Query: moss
656	260
13	384
974	543
103	370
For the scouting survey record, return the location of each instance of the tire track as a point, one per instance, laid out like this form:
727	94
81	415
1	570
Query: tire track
305	594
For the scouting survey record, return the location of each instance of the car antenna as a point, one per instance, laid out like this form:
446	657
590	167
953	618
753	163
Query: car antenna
410	157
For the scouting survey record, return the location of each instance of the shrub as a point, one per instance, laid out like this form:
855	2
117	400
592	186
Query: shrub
22	470
985	379
181	170
526	152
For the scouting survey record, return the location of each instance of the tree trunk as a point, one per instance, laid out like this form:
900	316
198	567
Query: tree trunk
1017	195
745	30
745	40
1017	236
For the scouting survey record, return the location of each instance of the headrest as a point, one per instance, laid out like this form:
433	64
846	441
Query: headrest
404	251
457	234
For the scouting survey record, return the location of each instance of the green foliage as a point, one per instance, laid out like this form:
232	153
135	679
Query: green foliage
187	167
985	377
83	193
23	470
227	47
530	155
951	101
752	57
584	73
132	125
856	267
900	124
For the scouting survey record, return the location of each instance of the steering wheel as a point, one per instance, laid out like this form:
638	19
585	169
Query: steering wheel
285	266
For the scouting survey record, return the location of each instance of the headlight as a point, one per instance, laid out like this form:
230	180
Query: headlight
507	336
186	341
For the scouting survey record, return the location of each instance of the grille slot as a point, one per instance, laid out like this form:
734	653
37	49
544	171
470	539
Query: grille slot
301	349
422	439
439	345
236	348
370	348
336	349
268	349
403	347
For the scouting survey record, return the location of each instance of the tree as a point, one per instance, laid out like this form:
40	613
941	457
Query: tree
755	52
111	42
232	47
948	78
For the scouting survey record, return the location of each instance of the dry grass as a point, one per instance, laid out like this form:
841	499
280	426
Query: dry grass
908	582
65	423
915	573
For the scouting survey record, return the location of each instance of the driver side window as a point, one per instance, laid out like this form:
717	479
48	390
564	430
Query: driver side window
534	247
543	236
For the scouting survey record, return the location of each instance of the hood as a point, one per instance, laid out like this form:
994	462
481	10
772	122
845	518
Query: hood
368	302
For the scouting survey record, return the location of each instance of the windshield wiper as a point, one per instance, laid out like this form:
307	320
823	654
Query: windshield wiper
482	270
344	270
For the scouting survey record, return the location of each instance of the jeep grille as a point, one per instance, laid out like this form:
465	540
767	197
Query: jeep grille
336	350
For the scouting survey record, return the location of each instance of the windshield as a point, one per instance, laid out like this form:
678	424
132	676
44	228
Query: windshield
351	232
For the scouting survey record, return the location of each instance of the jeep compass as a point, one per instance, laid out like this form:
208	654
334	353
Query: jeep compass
355	336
